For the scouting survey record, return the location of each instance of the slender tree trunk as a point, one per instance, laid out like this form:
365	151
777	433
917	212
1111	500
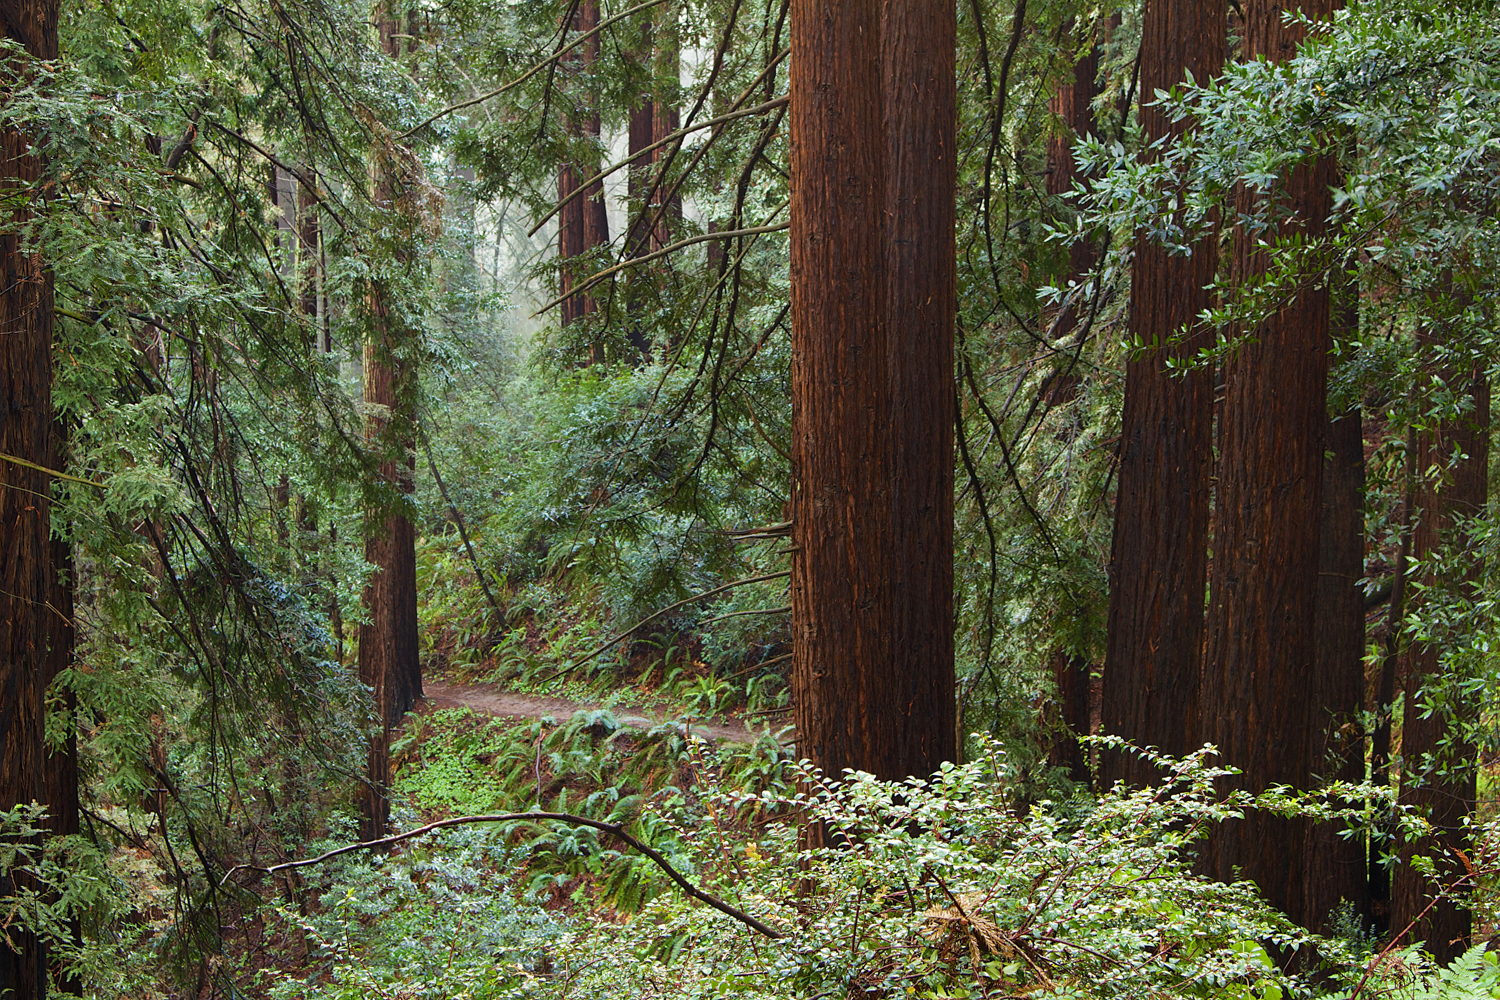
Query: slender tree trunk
1073	103
1447	801
1335	864
389	659
1385	698
582	224
1262	643
637	240
1154	647
872	303
26	573
665	119
308	237
1070	674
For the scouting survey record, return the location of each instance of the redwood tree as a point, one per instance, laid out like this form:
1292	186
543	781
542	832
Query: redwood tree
1260	664
389	660
873	175
26	575
1160	552
582	224
1446	799
1073	104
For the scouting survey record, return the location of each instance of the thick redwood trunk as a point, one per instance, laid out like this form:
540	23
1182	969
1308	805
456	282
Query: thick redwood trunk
1446	801
917	43
1262	642
582	225
872	305
1335	869
26	575
389	659
1160	552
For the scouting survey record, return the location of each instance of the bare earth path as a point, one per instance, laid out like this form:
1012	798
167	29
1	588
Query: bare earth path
492	700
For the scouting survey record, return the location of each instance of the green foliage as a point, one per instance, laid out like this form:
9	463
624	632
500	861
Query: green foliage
943	888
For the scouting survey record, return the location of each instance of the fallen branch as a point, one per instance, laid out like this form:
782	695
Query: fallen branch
610	828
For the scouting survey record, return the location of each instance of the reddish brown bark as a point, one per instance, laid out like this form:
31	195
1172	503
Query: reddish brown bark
389	660
582	225
1335	870
308	259
1070	676
917	43
1446	801
872	306
26	575
664	121
1073	103
1262	642
1159	558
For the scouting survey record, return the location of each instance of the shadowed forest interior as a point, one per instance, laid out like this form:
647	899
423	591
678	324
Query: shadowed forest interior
749	498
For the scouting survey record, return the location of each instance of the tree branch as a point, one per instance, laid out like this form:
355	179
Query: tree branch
610	828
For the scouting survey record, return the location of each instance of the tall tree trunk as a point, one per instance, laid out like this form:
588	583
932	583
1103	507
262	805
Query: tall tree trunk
1385	696
872	303
389	661
60	777
1447	800
1154	646
1262	642
308	278
1335	869
26	574
920	91
667	66
637	240
582	225
1073	103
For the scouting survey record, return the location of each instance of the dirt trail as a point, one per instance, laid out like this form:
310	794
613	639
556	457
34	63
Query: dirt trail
492	700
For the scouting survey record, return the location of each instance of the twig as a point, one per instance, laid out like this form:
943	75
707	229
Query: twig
610	828
577	192
1378	960
763	663
14	460
728	234
533	71
785	609
672	607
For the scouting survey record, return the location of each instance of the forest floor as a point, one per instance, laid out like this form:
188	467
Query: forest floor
491	699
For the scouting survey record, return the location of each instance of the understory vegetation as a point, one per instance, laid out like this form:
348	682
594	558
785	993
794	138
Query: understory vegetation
319	321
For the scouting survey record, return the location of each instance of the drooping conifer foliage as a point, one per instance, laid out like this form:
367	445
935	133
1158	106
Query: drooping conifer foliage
913	382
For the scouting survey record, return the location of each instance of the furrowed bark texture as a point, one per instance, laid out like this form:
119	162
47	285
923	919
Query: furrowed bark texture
26	576
1446	800
1262	642
1159	557
872	304
917	42
388	650
1336	865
